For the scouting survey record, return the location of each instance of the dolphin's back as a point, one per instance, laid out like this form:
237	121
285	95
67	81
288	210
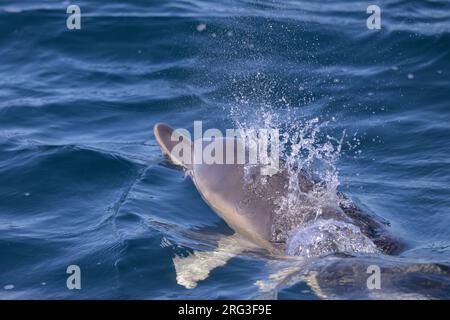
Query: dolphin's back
245	208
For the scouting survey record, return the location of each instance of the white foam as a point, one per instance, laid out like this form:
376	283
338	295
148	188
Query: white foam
325	236
201	27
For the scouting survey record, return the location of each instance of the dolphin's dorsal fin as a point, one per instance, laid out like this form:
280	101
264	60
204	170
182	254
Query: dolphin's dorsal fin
169	139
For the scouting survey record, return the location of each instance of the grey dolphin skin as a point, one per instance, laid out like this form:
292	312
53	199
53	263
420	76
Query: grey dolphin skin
249	208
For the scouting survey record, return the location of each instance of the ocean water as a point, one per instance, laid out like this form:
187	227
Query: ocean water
83	181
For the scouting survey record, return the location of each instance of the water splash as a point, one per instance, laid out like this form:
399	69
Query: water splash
308	216
322	237
310	157
307	152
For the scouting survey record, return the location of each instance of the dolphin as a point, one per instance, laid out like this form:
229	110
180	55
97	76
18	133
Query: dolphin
249	203
355	277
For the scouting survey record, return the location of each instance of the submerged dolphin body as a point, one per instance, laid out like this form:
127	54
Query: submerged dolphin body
248	203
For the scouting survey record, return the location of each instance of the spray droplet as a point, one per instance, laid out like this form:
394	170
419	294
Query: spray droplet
201	27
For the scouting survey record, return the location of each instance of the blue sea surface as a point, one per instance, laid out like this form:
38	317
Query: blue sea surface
83	181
